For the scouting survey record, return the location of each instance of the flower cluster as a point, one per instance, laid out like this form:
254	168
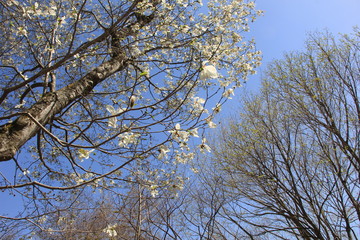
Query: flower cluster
37	10
182	136
177	67
112	122
198	105
208	71
128	138
110	230
163	149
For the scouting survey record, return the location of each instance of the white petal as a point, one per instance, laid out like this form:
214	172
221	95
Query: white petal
208	72
111	109
194	132
112	122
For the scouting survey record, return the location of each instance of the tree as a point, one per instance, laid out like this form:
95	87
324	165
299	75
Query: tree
136	215
290	160
105	94
189	214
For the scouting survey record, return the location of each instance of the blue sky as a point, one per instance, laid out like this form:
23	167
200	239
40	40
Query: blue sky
284	27
286	23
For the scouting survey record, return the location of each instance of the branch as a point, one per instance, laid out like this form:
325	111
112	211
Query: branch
16	134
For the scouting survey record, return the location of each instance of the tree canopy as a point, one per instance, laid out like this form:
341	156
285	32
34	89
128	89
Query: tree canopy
289	163
106	94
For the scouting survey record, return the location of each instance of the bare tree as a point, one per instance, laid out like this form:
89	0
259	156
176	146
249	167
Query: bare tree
290	160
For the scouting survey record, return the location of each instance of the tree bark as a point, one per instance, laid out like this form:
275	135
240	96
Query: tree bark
14	135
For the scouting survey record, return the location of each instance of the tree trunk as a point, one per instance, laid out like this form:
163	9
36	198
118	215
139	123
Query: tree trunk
16	134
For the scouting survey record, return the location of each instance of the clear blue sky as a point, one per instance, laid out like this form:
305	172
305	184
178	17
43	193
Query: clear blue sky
283	27
286	23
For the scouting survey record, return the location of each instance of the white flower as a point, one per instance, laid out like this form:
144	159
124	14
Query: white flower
154	192
178	135
183	135
208	71
210	123
203	146
113	121
84	153
128	138
110	230
199	100
163	149
133	98
198	104
184	28
26	172
79	180
52	11
183	157
229	92
194	132
153	189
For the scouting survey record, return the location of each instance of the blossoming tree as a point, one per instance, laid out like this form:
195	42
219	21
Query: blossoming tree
108	93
